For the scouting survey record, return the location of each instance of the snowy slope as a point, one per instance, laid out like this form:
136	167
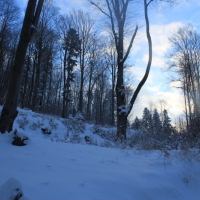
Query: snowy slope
62	170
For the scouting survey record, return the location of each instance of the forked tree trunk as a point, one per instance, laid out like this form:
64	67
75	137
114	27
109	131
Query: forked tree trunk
9	111
124	112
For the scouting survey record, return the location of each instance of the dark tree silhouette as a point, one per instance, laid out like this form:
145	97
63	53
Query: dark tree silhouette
117	14
9	111
72	49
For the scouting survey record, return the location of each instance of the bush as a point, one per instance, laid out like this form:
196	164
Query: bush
75	138
74	125
36	125
22	122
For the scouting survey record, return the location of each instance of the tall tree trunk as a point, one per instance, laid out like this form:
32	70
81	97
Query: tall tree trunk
82	63
120	90
89	96
9	111
122	120
31	92
64	85
117	13
185	102
24	95
113	95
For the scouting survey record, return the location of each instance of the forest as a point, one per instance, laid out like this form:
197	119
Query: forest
67	97
74	65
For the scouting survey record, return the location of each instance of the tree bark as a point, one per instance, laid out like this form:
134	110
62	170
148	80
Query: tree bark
9	111
122	118
142	82
82	67
64	83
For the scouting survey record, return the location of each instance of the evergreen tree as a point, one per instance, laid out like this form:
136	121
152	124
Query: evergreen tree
167	128
72	49
157	124
136	125
147	120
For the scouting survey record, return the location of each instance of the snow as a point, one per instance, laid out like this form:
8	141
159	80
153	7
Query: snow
10	189
51	167
125	110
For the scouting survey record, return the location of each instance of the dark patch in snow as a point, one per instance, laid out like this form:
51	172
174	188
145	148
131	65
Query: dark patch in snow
19	140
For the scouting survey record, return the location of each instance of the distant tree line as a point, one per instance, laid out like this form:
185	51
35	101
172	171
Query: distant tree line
152	123
184	60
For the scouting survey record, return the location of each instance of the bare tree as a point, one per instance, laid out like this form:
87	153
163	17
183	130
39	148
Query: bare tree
83	22
117	14
9	111
9	23
111	61
185	61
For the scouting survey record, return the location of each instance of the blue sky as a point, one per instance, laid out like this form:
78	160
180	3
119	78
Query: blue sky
163	22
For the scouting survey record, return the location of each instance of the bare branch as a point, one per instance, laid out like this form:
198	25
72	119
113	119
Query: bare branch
36	17
100	9
149	2
149	60
113	25
130	45
125	6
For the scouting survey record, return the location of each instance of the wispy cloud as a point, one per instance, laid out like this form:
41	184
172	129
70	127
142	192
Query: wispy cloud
153	90
152	94
67	5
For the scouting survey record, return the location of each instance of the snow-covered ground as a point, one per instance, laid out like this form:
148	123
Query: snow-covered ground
53	168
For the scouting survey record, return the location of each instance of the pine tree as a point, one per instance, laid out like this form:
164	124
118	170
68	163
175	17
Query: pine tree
167	128
157	124
72	49
147	120
136	125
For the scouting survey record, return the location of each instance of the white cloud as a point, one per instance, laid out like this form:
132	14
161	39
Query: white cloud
173	99
160	35
153	89
157	61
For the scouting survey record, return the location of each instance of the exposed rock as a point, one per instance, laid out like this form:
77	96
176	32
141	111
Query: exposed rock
19	140
87	138
46	131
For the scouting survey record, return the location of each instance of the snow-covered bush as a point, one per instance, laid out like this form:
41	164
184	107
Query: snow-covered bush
11	190
53	124
74	124
22	121
107	143
96	129
105	133
36	125
189	140
121	143
79	117
22	113
149	141
90	140
75	138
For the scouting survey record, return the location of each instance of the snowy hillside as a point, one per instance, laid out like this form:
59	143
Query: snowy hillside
64	166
